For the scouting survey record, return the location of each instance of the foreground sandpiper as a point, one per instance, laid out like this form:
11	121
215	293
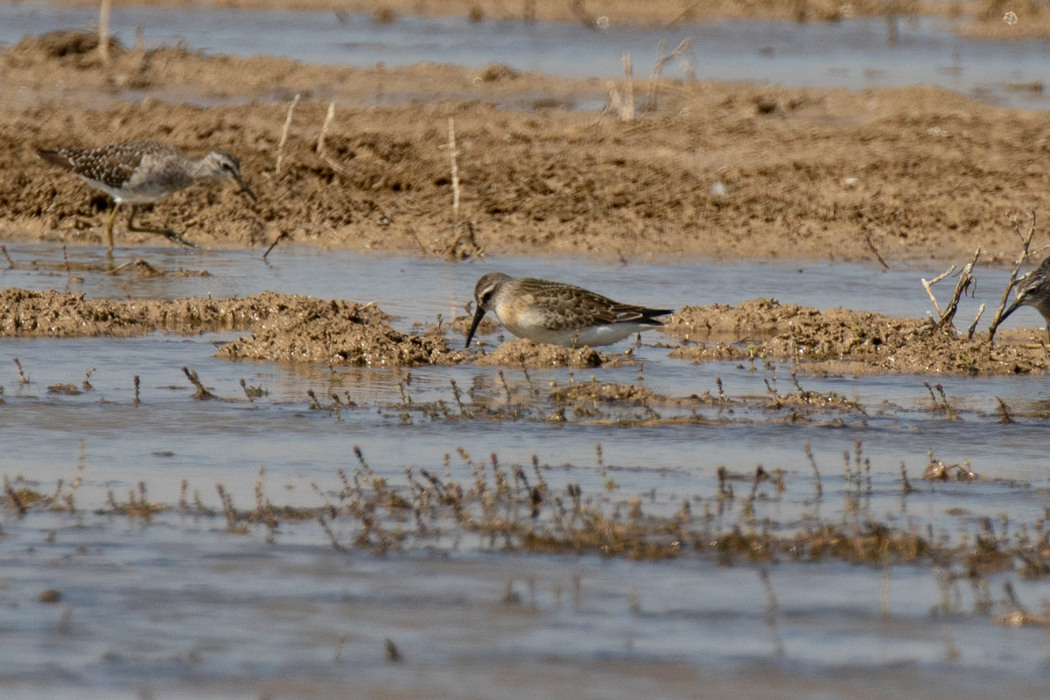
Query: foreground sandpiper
143	172
558	313
1034	290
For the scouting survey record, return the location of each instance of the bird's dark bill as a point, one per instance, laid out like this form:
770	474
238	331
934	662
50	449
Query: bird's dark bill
246	190
1018	303
478	315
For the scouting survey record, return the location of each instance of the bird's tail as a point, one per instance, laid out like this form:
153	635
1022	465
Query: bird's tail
55	158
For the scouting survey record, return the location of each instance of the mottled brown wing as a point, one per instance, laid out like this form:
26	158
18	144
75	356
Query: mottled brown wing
574	307
112	165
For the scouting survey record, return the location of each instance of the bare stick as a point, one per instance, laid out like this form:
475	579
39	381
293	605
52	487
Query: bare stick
973	326
662	61
965	280
284	132
281	237
324	128
10	263
1026	242
452	153
934	281
627	112
103	31
871	246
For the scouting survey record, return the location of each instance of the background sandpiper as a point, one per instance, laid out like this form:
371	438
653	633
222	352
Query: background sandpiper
143	172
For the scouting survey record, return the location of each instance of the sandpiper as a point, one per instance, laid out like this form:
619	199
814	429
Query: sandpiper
143	172
1034	290
558	313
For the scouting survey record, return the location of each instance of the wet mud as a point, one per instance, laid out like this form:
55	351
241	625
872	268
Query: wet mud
285	328
840	341
703	170
295	329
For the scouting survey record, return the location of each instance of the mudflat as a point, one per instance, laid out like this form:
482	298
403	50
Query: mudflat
699	170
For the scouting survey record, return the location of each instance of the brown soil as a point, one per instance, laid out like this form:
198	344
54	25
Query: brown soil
712	171
839	341
525	353
294	329
284	327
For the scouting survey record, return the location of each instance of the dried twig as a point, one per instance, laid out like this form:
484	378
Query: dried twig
627	114
973	326
201	394
103	31
966	278
452	153
280	237
934	281
662	60
871	246
284	132
1026	243
324	129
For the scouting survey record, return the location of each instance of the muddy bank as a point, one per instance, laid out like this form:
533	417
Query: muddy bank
717	171
840	341
285	328
520	353
296	329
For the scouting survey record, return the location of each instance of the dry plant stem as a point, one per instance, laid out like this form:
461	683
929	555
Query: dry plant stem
324	129
103	31
452	153
284	133
973	326
1004	412
627	112
965	280
871	246
934	281
816	470
281	237
22	377
10	263
201	394
1026	243
663	59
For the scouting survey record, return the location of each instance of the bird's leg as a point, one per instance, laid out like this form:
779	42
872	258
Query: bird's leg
167	233
109	228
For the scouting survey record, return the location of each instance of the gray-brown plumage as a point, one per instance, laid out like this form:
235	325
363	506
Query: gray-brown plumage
143	172
559	313
1034	290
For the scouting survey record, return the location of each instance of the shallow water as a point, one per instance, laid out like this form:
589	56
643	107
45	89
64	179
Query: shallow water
181	603
853	54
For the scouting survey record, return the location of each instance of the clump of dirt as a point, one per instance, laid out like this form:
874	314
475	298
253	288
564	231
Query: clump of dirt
840	340
74	47
284	327
461	325
520	352
341	337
